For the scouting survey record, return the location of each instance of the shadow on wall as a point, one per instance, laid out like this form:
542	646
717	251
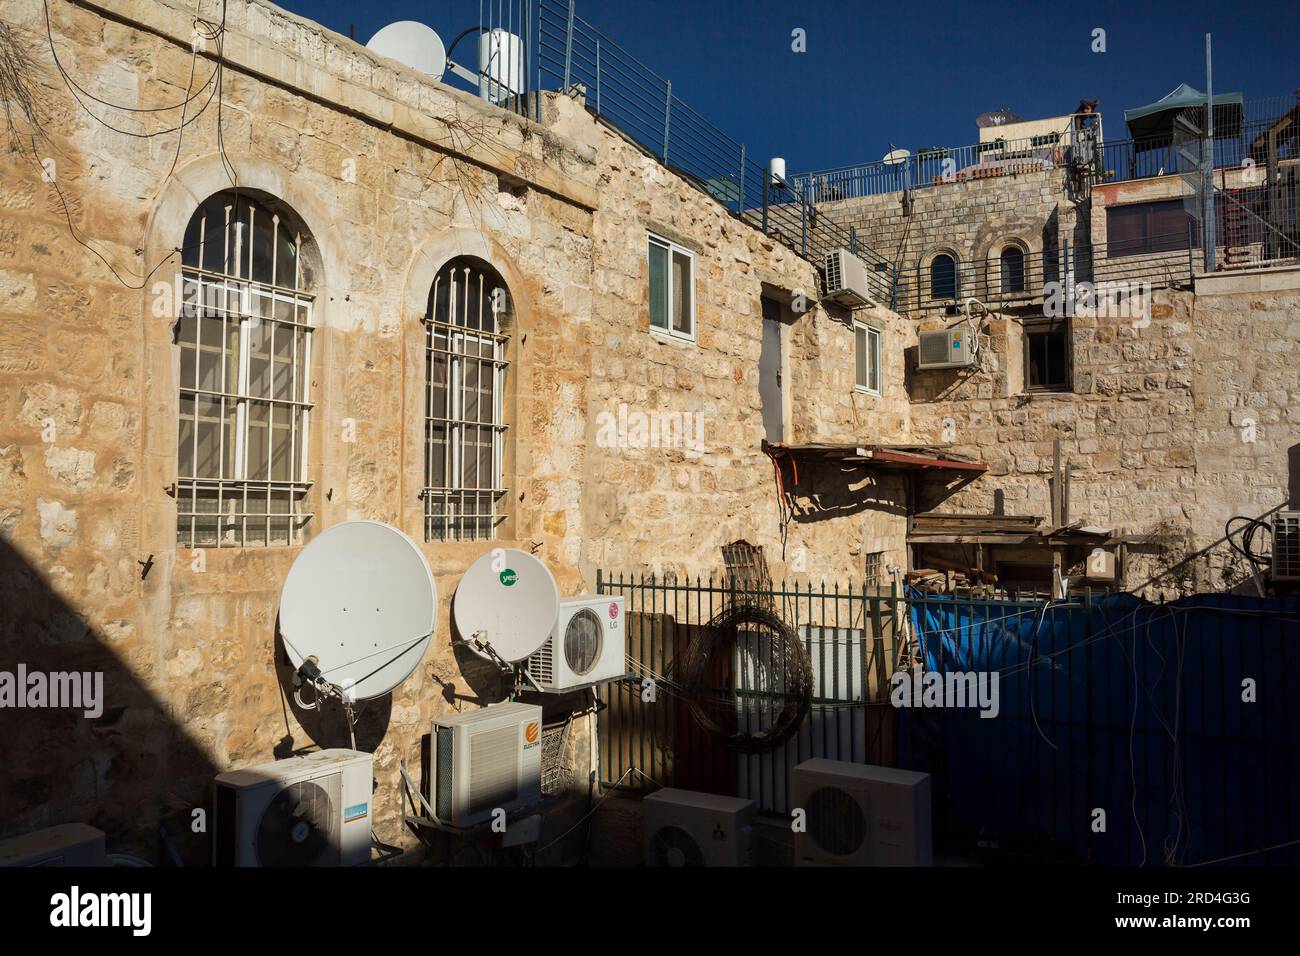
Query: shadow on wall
127	770
821	490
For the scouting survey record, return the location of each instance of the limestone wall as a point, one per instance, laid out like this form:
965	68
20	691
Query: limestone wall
391	175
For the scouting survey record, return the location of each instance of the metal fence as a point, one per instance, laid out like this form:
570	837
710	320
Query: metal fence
1120	160
1174	719
1034	278
622	91
655	730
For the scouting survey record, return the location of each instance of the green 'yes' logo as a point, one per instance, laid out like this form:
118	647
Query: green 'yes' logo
508	577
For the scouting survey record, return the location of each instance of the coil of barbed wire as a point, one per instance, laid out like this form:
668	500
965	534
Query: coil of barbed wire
775	672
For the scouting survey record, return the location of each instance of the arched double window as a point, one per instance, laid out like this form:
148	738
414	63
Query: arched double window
245	338
467	329
943	277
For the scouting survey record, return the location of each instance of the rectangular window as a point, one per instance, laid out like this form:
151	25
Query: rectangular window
672	289
1047	357
245	405
1146	227
875	569
867	358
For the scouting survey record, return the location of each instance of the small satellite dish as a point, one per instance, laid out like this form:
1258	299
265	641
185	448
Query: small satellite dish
896	156
507	599
412	43
361	600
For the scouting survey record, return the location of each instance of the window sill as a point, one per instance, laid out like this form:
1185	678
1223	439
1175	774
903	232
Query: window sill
665	336
862	390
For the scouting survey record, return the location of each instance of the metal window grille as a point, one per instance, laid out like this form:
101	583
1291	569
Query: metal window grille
464	419
875	568
245	337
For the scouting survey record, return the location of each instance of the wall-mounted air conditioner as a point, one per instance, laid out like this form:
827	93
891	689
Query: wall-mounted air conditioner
860	815
685	828
587	645
947	348
1286	546
485	760
846	279
312	810
68	844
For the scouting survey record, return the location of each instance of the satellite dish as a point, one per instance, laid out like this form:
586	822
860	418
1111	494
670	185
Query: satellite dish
896	156
994	118
361	600
507	599
414	44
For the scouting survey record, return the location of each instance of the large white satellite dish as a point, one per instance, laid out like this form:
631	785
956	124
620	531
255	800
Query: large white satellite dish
508	600
414	44
361	600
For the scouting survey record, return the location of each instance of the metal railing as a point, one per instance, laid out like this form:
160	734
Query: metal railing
623	92
652	730
1164	261
1120	160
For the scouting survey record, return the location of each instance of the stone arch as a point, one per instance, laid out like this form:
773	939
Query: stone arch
429	259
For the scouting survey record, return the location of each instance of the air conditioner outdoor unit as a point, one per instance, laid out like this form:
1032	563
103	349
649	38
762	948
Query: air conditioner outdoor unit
685	828
860	815
846	278
312	810
1286	546
587	645
947	348
69	844
485	760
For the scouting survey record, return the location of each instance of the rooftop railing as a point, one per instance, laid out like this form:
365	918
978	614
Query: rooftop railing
1121	160
571	55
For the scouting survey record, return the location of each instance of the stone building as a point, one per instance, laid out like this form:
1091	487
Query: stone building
165	452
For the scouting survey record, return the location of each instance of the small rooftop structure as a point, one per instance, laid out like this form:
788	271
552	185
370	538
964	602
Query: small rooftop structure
1155	121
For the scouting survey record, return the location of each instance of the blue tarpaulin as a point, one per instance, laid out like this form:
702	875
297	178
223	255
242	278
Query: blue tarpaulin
1128	733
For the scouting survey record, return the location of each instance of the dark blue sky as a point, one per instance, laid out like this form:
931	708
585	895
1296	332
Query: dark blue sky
912	74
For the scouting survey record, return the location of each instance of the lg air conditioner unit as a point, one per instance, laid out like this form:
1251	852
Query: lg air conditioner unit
69	844
485	760
1286	546
312	810
685	828
860	815
587	646
846	279
948	348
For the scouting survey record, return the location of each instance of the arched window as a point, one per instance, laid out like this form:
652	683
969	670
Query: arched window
1013	269
245	337
466	333
943	277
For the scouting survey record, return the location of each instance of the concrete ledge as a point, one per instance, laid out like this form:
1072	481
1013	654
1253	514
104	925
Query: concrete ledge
1278	279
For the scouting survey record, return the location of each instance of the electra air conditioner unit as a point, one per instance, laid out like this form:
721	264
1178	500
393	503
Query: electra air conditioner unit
846	278
485	760
312	810
860	815
685	828
587	645
69	844
948	348
1286	546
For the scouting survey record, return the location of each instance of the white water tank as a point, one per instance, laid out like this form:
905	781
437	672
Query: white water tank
500	65
776	166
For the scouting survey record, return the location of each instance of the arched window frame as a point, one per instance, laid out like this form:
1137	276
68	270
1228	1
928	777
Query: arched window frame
245	334
947	291
467	322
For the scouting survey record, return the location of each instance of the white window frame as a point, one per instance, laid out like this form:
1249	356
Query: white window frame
672	249
877	355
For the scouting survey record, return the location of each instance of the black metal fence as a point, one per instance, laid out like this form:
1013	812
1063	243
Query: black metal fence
665	724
